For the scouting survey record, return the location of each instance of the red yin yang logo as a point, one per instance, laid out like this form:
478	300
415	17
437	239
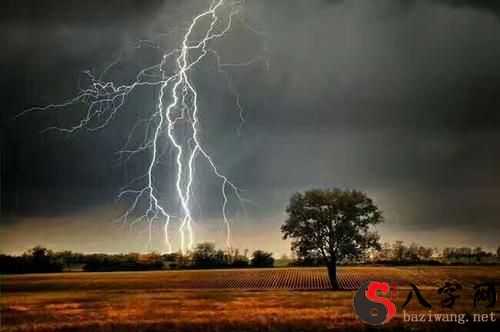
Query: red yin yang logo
372	308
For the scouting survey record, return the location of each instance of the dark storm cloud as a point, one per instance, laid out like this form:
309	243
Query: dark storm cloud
486	5
399	98
77	11
370	99
47	46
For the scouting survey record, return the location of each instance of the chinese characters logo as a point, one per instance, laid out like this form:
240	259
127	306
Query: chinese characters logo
373	308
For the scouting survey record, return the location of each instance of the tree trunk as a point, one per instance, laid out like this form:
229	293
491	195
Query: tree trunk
332	275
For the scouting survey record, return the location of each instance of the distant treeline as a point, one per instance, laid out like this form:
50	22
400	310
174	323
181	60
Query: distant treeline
398	253
204	256
207	256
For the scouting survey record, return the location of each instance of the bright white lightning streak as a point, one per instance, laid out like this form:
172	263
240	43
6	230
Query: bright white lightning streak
106	99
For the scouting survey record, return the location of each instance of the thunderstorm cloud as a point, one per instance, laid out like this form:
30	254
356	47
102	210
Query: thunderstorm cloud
397	98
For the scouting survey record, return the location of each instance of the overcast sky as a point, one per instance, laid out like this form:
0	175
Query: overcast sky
400	99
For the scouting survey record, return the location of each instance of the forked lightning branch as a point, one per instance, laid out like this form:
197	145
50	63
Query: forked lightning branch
174	123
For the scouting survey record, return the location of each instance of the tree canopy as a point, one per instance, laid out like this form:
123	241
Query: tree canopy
333	224
262	258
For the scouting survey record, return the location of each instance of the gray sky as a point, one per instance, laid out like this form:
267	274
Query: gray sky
397	98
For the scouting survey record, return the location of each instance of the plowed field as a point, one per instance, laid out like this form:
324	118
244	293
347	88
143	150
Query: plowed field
278	299
276	278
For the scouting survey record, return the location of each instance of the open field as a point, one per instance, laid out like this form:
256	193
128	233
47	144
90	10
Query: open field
251	299
300	278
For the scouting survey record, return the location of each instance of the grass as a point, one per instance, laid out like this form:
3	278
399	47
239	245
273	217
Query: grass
145	301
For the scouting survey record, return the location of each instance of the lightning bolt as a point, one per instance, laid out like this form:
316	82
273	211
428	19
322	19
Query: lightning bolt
175	123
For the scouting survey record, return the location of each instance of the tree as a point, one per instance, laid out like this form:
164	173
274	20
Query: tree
262	258
207	256
204	255
425	253
386	251
478	252
333	224
448	252
399	251
412	252
235	258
